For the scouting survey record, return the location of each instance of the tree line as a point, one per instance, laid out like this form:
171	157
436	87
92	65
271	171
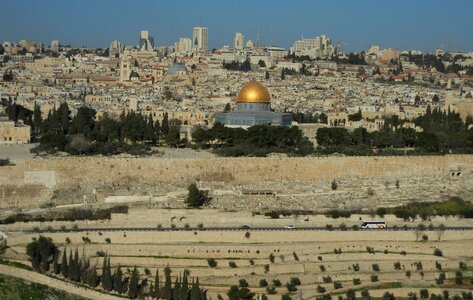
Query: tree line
428	61
258	140
44	256
85	133
237	66
442	132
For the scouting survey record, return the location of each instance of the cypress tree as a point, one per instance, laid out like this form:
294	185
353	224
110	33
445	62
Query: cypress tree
70	268
165	124
92	277
157	129
64	117
184	290
177	289
151	291
56	266
118	280
149	134
85	265
167	290
107	282
195	290
64	264
37	119
156	292
133	285
77	266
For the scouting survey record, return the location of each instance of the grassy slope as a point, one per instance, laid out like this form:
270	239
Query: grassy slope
12	288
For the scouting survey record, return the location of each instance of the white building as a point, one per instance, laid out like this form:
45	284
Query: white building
200	38
55	46
115	49
277	52
316	47
238	41
184	45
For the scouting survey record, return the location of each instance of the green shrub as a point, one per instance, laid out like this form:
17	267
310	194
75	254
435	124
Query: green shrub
243	283
212	262
291	287
375	267
263	283
271	290
277	282
438	252
424	293
295	281
327	279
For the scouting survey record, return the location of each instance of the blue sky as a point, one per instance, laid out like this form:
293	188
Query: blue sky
403	24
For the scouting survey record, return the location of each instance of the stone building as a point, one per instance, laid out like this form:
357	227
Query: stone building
253	108
13	132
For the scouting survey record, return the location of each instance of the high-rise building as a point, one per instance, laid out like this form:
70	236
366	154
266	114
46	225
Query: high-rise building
184	45
55	46
115	49
146	41
238	41
200	38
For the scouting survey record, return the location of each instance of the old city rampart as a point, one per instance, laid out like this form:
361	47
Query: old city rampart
38	178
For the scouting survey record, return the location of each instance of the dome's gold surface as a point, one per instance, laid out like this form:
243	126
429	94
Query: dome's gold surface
254	92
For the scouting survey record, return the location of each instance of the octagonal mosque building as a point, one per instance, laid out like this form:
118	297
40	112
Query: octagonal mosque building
253	108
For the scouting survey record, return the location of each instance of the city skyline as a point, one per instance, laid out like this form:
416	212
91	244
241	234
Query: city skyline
424	25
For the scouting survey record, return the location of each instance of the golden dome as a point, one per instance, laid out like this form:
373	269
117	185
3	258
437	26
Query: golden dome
254	92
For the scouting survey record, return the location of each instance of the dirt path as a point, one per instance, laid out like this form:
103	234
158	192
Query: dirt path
54	283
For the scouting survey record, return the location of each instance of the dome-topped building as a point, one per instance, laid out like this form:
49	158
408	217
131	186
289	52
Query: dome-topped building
254	92
177	69
253	108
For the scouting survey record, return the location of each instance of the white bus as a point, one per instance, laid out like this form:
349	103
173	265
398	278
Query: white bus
373	225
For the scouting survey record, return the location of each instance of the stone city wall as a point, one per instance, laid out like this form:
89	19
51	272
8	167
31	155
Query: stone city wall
73	171
82	175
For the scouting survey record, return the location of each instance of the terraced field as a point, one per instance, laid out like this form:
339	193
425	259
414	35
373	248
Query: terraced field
314	257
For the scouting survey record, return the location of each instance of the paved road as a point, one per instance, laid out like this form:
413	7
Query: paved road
465	228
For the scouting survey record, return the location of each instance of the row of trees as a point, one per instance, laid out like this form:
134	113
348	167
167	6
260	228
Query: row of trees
86	134
259	140
443	131
429	61
237	66
43	252
301	117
